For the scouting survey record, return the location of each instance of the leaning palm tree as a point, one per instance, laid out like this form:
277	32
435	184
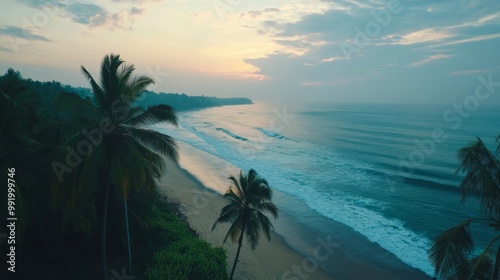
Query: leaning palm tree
250	198
124	150
452	251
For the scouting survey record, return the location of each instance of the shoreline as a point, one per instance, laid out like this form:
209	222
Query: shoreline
270	260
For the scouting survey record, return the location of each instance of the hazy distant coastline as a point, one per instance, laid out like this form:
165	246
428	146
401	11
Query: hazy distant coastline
183	102
179	101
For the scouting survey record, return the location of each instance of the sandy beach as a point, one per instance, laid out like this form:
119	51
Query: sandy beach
271	260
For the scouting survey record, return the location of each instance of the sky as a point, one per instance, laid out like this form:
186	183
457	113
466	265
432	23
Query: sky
384	51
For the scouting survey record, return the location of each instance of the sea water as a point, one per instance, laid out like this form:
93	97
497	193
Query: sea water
380	179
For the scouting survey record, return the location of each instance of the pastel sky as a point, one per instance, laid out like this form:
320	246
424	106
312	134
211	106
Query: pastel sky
303	50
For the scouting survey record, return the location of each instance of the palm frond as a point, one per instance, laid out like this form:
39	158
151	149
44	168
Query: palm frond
269	207
228	214
159	142
239	191
153	115
234	231
231	195
137	86
100	97
124	75
266	224
482	180
481	266
152	162
109	77
252	231
133	112
244	184
450	248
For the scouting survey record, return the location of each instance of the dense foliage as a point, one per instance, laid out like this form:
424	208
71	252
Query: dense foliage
58	227
178	255
185	102
453	252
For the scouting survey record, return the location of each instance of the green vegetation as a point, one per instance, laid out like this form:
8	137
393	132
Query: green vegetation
185	102
250	198
452	252
181	102
80	158
179	255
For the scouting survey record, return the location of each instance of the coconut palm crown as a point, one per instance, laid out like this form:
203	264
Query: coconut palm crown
452	252
249	200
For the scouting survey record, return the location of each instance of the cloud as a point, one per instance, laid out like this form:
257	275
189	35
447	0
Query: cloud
467	40
468	72
136	11
421	36
429	59
330	59
22	33
269	27
39	3
259	14
90	14
484	20
3	49
312	83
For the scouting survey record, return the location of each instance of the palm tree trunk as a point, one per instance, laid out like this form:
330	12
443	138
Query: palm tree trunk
497	265
104	224
240	241
127	229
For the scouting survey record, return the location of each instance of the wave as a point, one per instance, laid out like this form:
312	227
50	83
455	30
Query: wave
330	184
272	134
340	203
390	234
232	134
362	214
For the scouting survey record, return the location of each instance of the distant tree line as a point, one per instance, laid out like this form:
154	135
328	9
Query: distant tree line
180	102
183	102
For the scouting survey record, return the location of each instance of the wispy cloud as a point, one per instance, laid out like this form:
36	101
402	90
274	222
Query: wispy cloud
421	36
90	14
330	59
39	3
488	19
259	14
3	49
269	27
469	72
429	59
22	33
468	40
312	83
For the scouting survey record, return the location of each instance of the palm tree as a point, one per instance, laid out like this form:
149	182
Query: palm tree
128	154
451	253
250	198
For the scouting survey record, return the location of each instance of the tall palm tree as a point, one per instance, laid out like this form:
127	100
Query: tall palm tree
127	153
250	198
452	251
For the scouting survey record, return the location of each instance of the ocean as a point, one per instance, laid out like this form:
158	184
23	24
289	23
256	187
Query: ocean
380	180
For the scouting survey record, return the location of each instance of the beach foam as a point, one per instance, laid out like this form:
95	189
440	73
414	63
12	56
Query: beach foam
284	167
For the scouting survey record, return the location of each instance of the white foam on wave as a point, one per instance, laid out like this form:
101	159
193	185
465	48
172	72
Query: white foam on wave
307	172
